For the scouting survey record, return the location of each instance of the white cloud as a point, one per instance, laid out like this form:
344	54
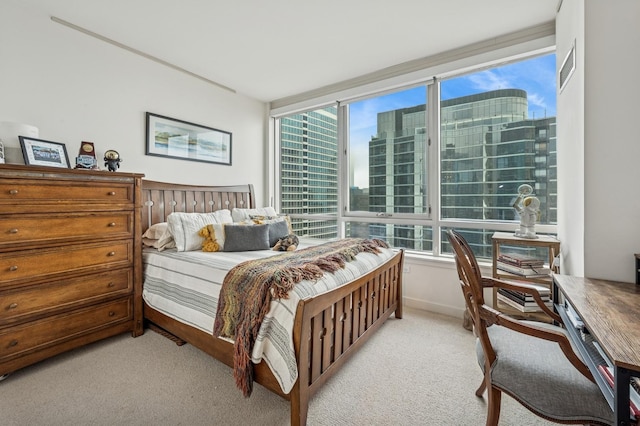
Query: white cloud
489	80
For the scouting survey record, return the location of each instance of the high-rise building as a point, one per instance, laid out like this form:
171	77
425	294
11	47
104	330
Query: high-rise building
309	170
488	149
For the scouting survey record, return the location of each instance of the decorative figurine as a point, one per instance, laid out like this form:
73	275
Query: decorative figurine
112	160
528	207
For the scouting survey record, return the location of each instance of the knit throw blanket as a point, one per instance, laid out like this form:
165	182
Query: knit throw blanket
248	288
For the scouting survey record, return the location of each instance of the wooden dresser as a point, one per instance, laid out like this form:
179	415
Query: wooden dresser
70	260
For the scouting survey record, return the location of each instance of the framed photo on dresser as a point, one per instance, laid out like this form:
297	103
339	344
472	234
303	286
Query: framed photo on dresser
39	152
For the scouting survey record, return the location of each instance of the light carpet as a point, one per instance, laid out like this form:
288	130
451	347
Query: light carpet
420	370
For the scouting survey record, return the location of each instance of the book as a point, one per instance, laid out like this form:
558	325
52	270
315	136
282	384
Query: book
543	290
525	297
520	260
634	397
522	300
604	356
527	271
574	319
519	306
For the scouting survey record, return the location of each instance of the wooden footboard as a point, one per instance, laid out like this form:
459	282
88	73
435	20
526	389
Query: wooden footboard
329	328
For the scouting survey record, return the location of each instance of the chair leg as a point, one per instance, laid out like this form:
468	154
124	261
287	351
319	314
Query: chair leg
481	388
493	409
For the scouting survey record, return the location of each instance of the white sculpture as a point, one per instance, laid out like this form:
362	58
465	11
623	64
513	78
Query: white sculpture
528	207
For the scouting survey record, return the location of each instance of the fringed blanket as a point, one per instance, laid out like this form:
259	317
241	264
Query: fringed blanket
248	288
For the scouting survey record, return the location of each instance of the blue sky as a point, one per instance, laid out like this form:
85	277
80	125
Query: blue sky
536	76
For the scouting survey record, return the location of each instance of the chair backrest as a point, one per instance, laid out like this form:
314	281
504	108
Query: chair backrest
472	288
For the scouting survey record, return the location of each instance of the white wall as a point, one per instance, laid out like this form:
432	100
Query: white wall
76	88
597	124
570	136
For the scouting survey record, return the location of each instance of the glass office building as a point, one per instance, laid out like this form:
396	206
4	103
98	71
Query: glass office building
309	171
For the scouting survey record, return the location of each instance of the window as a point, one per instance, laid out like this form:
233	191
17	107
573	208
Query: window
406	165
387	153
309	172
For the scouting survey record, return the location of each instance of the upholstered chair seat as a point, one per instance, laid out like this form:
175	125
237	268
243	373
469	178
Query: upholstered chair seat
537	373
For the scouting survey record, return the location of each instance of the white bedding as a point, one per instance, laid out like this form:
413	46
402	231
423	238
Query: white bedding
185	286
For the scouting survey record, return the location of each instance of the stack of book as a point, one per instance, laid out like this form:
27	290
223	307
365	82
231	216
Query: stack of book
523	265
525	302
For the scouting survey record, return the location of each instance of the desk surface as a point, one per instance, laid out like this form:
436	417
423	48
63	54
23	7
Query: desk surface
611	312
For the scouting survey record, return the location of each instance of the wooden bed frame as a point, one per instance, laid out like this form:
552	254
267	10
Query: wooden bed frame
328	328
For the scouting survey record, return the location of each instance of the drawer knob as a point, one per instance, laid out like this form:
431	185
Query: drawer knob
112	224
111	193
13	306
13	268
13	191
13	231
111	313
111	253
13	343
111	284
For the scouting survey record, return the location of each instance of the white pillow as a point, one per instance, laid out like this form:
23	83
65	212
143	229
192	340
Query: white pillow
158	236
184	227
240	215
155	231
161	243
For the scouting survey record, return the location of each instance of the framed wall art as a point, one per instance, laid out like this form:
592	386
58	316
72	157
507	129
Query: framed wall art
44	153
169	137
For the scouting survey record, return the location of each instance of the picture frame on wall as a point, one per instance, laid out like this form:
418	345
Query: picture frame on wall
173	138
40	152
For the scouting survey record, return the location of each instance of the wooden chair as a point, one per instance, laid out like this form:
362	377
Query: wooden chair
532	362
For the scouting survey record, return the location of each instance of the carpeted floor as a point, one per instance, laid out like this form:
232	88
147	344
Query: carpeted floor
420	370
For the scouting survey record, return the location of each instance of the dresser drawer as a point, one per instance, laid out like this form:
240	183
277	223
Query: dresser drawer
38	265
57	191
51	228
40	334
34	301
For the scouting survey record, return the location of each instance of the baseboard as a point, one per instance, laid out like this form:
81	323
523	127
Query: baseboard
433	307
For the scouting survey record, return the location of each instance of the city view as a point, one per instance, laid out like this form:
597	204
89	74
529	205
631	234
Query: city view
491	142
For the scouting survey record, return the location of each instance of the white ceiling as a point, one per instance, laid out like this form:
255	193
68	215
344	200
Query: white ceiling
270	49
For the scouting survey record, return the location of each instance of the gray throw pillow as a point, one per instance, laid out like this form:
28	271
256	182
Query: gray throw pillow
246	237
277	230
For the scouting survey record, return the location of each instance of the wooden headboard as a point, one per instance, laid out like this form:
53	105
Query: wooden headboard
159	199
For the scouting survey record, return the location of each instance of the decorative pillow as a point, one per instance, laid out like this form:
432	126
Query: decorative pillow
240	215
213	237
288	243
184	227
155	231
160	244
158	236
277	230
246	238
259	219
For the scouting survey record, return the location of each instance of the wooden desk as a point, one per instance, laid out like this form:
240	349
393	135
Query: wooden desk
611	312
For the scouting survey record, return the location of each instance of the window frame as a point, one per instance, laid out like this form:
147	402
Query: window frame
433	218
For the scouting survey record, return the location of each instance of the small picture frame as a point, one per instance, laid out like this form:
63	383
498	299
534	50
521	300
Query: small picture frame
39	152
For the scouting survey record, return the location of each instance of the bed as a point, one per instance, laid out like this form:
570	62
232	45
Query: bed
327	329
